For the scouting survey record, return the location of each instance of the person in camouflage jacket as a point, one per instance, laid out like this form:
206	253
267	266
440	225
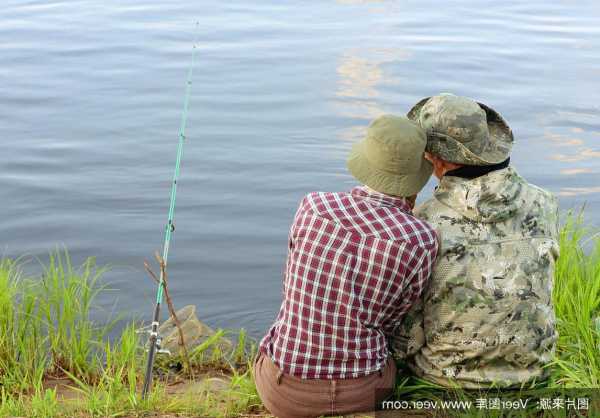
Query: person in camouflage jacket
486	318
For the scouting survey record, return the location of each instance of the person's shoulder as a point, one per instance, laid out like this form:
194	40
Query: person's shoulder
419	232
537	200
428	209
537	194
542	205
323	202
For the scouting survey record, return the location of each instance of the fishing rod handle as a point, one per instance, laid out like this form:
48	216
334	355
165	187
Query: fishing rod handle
151	352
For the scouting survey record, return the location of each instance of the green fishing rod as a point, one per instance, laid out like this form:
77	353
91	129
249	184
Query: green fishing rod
154	338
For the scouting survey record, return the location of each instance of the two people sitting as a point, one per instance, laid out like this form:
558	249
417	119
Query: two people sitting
459	288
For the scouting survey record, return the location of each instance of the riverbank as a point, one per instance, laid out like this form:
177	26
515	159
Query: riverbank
56	362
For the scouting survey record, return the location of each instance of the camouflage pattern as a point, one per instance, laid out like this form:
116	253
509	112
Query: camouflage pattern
486	317
463	131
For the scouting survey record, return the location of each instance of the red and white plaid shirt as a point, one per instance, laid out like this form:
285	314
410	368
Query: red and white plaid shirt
356	263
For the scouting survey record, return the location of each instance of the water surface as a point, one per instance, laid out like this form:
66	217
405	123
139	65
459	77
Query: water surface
91	94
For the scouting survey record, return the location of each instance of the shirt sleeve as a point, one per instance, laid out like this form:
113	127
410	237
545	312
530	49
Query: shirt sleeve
292	237
413	290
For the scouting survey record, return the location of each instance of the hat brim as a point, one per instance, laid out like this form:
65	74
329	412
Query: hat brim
497	151
403	185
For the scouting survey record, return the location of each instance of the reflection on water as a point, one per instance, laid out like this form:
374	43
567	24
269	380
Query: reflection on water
575	171
575	150
357	2
581	154
361	84
564	140
353	133
360	72
358	78
578	191
576	141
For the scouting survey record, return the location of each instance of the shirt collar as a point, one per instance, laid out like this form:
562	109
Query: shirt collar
381	199
471	172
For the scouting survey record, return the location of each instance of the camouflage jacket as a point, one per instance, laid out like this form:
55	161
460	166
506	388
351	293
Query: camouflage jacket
486	317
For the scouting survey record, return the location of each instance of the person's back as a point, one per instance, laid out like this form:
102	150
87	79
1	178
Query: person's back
490	297
356	263
363	259
487	317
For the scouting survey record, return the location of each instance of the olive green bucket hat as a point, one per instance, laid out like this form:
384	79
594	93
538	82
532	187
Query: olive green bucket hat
390	158
463	131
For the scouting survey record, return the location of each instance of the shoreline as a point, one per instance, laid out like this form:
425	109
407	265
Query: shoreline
57	362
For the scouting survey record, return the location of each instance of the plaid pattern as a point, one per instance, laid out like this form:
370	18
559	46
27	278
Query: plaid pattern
356	263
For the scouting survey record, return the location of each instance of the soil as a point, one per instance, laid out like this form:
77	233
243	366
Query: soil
67	390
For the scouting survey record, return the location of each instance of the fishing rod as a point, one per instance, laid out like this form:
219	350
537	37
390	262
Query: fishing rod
154	340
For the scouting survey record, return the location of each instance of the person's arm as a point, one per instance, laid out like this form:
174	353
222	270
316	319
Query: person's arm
292	236
405	328
409	336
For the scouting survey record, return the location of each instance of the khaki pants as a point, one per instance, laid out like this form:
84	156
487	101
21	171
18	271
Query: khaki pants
291	397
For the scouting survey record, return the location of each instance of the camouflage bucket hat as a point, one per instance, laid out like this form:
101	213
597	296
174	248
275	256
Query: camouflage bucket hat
390	158
463	131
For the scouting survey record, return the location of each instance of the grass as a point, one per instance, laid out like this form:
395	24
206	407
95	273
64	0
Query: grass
47	335
577	305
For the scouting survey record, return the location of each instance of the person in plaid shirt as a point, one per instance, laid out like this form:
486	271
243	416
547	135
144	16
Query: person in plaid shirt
356	263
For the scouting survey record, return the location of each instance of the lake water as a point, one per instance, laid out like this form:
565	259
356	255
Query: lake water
90	101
